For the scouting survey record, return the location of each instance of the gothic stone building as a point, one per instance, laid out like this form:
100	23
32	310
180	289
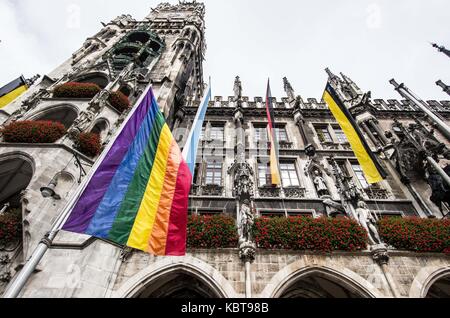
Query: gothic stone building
320	175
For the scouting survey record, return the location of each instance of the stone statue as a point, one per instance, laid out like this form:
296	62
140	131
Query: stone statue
368	220
246	222
440	189
289	90
237	89
320	184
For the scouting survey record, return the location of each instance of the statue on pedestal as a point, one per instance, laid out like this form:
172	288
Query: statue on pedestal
320	184
368	220
246	222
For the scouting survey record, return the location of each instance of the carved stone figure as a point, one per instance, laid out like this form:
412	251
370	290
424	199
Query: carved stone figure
237	89
289	90
440	190
81	123
246	222
368	220
320	184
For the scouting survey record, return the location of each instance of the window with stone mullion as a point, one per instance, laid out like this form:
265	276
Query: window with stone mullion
264	175
289	174
213	175
357	169
340	135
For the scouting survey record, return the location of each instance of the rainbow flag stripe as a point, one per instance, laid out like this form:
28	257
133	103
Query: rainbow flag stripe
138	196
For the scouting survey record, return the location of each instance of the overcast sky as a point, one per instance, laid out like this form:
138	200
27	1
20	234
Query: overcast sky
370	41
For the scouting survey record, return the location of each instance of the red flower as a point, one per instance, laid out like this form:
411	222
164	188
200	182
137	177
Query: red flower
89	144
76	90
10	227
119	101
416	234
218	231
33	132
303	233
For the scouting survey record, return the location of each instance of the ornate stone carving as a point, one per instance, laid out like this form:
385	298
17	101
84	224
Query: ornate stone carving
294	192
289	90
377	194
243	188
80	124
440	189
246	221
237	89
269	192
320	184
285	145
380	254
212	190
247	251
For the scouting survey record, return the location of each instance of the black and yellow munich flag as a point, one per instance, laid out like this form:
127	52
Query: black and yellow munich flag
11	91
372	169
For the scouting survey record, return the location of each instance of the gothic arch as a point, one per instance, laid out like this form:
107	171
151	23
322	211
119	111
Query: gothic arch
156	275
101	127
425	279
16	173
63	113
345	278
99	78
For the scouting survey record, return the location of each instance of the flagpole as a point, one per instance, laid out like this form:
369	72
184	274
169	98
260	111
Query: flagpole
25	273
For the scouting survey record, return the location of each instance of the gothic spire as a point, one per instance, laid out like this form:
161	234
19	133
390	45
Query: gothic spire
445	87
441	49
349	81
288	89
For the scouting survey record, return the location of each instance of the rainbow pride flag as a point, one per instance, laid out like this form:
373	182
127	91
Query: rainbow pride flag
138	195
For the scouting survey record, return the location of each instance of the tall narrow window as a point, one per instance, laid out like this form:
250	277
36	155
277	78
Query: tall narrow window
289	174
213	173
341	137
264	176
217	133
281	134
360	175
324	134
261	134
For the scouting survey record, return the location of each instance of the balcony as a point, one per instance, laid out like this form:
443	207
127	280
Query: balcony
285	145
269	192
294	192
377	194
207	190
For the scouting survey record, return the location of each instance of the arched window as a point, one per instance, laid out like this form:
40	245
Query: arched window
139	37
15	175
101	128
63	114
126	90
99	79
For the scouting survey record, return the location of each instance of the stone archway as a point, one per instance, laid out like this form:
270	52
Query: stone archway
318	282
184	277
431	282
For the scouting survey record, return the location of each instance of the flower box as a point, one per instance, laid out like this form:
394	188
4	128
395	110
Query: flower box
303	233
76	90
33	132
416	234
89	144
10	227
217	231
119	101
